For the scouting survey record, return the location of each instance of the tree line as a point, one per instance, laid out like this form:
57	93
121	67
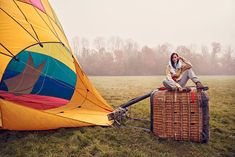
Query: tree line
116	56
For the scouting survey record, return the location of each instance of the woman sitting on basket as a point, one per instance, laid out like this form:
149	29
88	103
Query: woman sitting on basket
178	72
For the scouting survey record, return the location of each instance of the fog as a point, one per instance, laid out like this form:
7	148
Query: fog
136	37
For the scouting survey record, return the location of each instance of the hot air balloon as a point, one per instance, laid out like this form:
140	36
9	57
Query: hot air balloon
42	84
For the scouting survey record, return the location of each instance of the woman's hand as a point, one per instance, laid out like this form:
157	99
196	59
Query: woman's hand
180	89
179	58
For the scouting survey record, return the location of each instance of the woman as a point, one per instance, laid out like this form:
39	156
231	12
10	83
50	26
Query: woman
178	72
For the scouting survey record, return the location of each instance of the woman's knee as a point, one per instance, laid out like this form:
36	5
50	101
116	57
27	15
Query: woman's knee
169	85
190	70
165	81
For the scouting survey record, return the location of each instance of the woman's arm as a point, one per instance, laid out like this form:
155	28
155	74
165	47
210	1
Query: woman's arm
187	65
168	73
169	77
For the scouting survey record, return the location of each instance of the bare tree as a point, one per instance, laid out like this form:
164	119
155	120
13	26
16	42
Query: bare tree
99	44
115	43
116	56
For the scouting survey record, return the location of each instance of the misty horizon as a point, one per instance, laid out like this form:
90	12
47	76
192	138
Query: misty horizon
78	43
118	57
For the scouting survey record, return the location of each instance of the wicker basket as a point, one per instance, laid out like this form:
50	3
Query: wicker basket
180	116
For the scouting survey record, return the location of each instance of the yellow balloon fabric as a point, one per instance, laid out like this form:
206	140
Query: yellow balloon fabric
42	85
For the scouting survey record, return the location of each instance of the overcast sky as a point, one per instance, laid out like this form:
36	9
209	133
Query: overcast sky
150	22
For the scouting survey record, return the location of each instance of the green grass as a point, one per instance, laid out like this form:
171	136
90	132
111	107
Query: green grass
114	141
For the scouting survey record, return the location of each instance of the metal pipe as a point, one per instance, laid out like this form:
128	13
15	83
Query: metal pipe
135	100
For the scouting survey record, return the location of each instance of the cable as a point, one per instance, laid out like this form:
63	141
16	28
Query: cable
19	25
84	99
43	80
64	70
55	33
13	56
27	21
6	55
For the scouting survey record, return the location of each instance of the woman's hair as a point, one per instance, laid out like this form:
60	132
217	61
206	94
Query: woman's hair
172	63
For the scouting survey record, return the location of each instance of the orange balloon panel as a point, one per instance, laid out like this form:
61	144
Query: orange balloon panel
42	85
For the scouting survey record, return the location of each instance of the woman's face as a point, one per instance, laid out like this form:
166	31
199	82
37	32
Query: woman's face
175	58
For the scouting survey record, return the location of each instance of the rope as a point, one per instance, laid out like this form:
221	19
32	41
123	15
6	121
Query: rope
133	127
6	54
27	21
13	56
84	99
43	80
19	82
53	31
19	24
138	119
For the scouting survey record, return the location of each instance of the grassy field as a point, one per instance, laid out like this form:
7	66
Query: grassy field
130	142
